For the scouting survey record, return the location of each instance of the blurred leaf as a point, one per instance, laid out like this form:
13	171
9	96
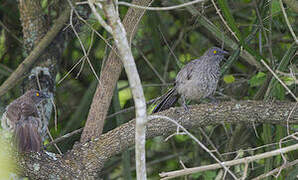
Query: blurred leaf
257	79
196	175
125	94
288	80
181	138
229	79
229	17
275	7
210	175
7	165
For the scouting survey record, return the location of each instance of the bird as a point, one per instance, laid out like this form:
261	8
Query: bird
23	120
198	79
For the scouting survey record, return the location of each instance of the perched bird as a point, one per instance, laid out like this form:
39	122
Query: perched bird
22	118
196	80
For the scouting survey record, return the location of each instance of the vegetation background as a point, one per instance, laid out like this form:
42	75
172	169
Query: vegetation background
251	30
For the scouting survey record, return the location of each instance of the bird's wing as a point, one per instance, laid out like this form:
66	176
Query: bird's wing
28	109
186	72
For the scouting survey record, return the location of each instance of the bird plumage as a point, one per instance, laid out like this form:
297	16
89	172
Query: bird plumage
23	120
196	80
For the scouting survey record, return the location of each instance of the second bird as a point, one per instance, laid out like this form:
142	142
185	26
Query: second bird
196	80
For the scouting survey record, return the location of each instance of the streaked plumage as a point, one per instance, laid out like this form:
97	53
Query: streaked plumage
196	80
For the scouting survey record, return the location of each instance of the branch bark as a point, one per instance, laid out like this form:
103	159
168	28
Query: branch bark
25	66
109	77
86	160
121	42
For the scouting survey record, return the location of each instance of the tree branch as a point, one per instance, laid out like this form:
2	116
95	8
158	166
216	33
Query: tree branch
25	66
119	35
86	160
109	77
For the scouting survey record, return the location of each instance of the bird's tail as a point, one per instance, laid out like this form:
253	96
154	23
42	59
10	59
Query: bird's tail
167	100
26	134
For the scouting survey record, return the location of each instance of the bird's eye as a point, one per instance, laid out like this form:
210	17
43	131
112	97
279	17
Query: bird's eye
37	94
214	52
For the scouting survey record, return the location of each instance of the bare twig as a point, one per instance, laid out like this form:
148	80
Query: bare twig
119	35
288	129
12	34
44	117
160	8
51	137
59	139
195	139
100	19
250	150
18	74
223	20
248	159
150	65
289	164
168	46
287	21
80	41
281	82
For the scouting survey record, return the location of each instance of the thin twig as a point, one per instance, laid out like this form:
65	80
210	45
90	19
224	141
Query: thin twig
62	79
88	52
287	21
51	137
183	172
160	8
130	108
223	20
255	149
196	140
288	129
289	164
12	34
44	117
150	65
100	19
168	46
80	41
281	82
25	66
59	139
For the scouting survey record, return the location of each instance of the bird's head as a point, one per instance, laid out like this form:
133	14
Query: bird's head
216	52
37	96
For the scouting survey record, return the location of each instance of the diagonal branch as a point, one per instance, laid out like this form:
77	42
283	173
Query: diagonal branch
183	172
109	77
86	160
25	66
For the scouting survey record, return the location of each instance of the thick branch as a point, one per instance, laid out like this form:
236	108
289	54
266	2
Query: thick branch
18	74
108	78
87	159
119	35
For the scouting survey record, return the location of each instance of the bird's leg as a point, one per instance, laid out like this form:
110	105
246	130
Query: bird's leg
213	100
184	104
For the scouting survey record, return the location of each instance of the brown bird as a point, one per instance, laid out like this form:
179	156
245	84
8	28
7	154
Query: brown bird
22	118
196	80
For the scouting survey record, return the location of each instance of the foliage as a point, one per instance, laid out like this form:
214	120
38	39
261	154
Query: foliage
170	39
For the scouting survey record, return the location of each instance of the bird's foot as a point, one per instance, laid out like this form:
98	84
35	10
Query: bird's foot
213	100
186	108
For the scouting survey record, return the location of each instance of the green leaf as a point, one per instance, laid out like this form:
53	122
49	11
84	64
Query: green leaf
181	138
288	80
257	79
229	79
125	94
